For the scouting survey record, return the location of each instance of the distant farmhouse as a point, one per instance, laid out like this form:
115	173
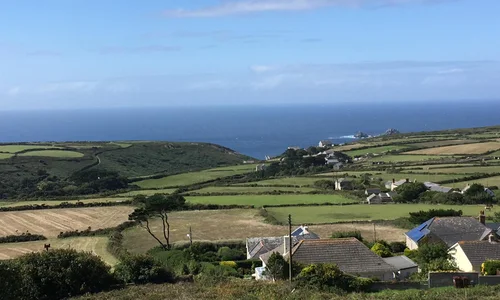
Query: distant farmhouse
325	143
392	185
343	184
381	198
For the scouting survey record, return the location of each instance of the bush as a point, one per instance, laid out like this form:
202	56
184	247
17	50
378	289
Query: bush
397	247
25	237
63	273
230	264
176	261
226	253
490	267
329	276
381	250
347	234
11	282
142	269
103	231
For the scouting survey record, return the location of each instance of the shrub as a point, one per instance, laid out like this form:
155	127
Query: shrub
25	237
142	269
381	250
347	234
397	247
174	260
230	264
63	273
490	267
328	276
226	253
11	282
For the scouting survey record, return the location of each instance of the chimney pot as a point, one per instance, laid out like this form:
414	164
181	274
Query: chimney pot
393	180
482	217
407	179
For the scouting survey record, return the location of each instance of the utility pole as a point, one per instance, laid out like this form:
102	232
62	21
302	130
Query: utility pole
290	249
374	233
190	236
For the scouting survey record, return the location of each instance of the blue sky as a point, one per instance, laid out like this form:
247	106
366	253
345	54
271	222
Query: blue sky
94	53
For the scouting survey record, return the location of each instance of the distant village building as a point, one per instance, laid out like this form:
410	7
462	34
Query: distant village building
325	143
294	148
343	184
392	185
434	187
260	167
370	191
382	198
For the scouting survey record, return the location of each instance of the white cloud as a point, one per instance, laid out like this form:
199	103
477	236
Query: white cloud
256	6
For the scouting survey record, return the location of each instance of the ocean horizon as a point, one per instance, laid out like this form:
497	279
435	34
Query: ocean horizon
256	131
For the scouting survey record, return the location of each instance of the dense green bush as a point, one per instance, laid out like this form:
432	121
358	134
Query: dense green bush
63	273
346	234
226	253
381	250
11	281
490	267
100	231
397	247
25	237
329	276
142	269
64	205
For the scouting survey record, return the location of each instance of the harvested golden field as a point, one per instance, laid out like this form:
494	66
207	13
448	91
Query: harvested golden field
50	222
238	224
96	245
477	148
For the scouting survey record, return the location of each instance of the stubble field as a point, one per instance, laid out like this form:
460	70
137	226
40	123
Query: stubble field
478	148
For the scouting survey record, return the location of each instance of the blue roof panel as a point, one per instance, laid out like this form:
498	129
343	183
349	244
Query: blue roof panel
417	233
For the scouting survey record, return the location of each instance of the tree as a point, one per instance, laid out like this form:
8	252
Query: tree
141	269
381	250
275	267
158	205
11	283
325	276
409	192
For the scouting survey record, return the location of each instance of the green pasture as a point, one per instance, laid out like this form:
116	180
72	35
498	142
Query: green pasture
490	181
375	150
6	155
56	202
261	200
407	157
146	192
296	181
362	212
496	153
388	176
424	168
195	177
468	170
443	143
251	189
53	153
19	148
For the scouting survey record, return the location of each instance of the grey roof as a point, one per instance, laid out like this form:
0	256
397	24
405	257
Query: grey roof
371	197
260	245
349	254
453	229
373	190
303	232
494	226
400	182
343	180
400	262
479	251
441	189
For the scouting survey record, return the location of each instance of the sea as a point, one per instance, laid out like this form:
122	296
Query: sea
256	131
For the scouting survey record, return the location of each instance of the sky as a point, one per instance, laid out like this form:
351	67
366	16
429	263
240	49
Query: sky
93	53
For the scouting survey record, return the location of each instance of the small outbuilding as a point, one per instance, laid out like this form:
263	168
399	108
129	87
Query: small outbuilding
405	267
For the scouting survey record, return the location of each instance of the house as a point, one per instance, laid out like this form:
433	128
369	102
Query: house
343	184
370	191
487	190
381	198
260	167
431	186
494	226
395	184
404	266
294	148
325	143
469	255
349	254
449	230
260	245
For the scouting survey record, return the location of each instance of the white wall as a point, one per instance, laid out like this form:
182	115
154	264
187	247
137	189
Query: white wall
459	257
411	243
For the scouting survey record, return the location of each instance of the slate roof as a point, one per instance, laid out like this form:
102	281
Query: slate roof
400	262
349	254
261	245
495	227
303	232
441	189
479	251
451	230
372	191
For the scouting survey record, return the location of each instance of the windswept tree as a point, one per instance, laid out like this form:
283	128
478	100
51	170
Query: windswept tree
158	206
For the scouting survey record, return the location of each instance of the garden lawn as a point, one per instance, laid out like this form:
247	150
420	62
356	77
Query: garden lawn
53	153
295	181
375	150
251	189
262	200
195	177
362	212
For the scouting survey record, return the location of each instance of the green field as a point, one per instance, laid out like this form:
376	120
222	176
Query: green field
375	150
468	170
56	202
146	192
490	181
250	189
496	153
296	181
261	200
53	153
443	143
195	177
386	177
361	212
6	155
19	148
406	157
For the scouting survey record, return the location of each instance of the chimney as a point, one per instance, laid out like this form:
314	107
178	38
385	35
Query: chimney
482	217
407	179
491	238
286	244
393	180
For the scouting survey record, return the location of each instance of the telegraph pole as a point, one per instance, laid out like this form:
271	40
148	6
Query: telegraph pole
374	233
290	249
190	237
